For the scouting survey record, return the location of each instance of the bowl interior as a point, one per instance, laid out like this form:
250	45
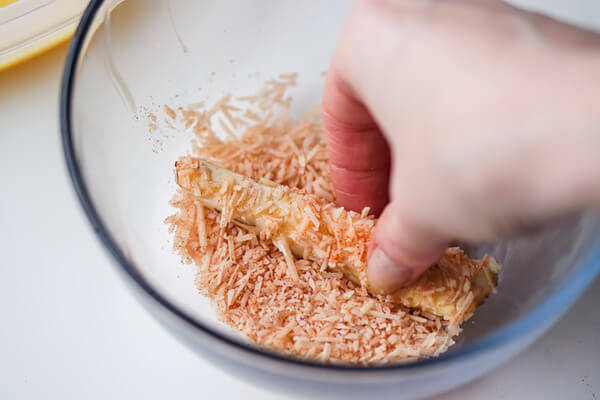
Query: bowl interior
141	55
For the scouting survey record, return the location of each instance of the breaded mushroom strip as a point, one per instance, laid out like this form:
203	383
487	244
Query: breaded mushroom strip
304	226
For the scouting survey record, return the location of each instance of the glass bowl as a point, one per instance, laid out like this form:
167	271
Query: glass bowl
130	57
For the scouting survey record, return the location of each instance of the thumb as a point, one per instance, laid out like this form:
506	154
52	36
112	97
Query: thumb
400	251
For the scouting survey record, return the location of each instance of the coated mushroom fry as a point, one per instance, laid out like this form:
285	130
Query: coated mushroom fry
305	226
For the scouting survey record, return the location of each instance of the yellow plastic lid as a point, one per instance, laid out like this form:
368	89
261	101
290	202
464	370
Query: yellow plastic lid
29	27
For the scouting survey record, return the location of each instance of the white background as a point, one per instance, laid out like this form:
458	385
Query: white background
71	329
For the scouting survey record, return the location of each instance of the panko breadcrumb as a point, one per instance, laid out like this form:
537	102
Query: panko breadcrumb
297	306
303	225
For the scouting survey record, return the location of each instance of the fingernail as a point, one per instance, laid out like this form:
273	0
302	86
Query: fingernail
384	275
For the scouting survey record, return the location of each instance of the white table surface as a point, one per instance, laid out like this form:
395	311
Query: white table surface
71	329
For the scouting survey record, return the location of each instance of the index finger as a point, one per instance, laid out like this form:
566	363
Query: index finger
359	155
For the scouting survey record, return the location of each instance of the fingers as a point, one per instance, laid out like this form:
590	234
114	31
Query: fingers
475	155
400	250
360	161
359	156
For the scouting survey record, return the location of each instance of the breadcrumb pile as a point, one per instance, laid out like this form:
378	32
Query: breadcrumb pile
315	313
302	225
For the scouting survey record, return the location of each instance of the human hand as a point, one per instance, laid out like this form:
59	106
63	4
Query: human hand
477	119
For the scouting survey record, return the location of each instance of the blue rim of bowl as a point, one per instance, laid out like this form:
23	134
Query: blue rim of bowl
564	296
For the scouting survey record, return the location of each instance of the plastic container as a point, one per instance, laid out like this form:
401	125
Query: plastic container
28	27
144	54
